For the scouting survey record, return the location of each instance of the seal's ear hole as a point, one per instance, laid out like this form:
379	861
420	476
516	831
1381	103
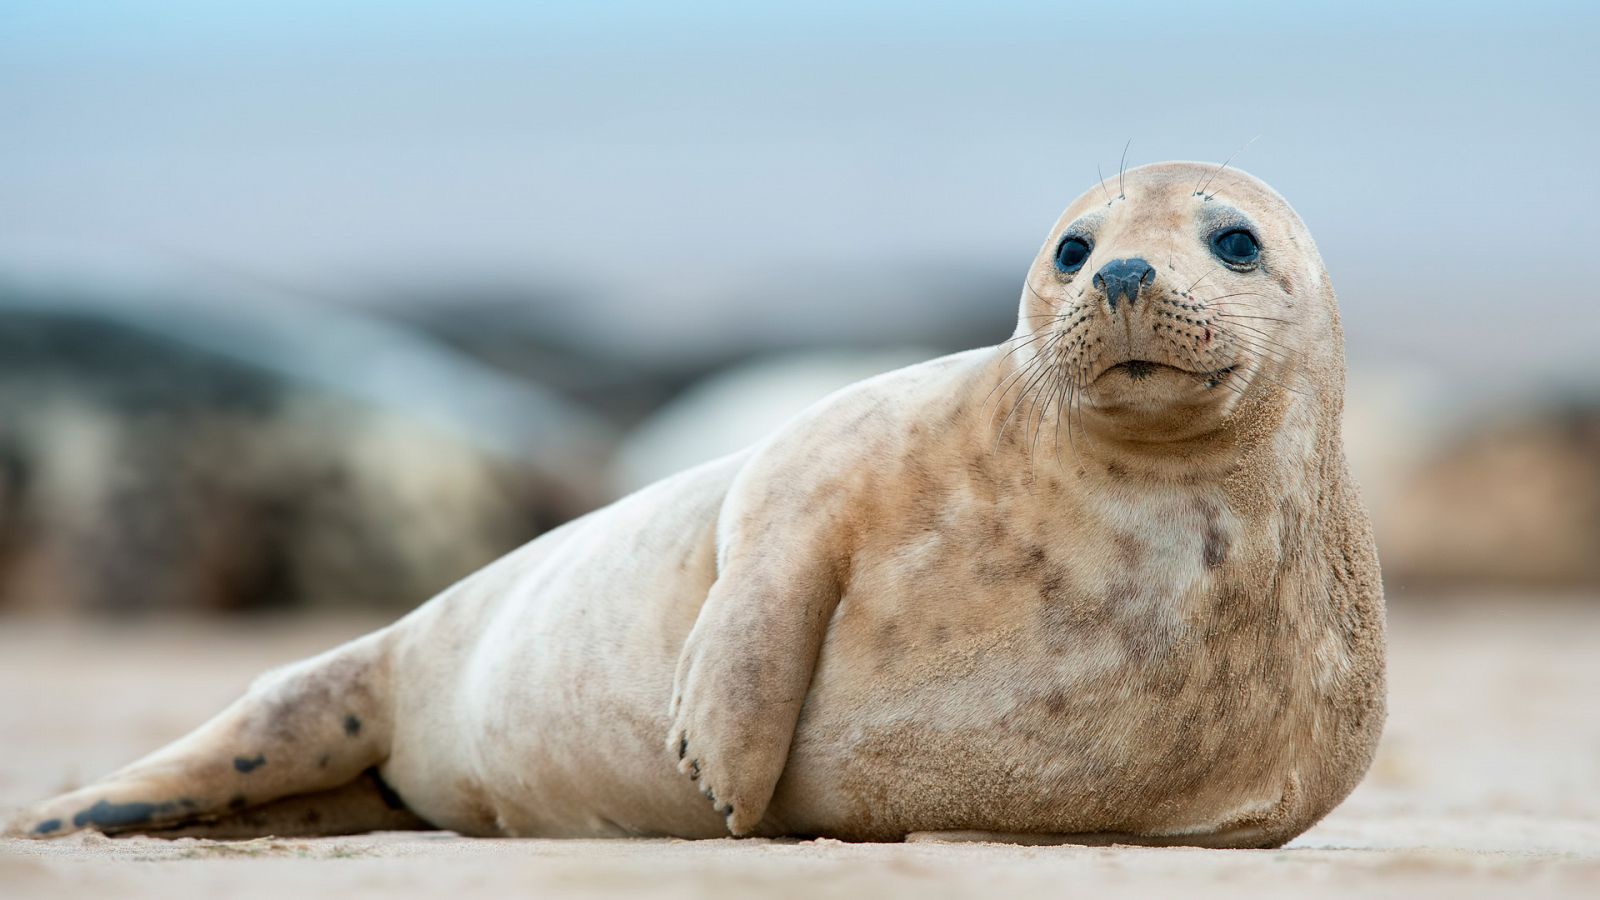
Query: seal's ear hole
1071	254
1236	247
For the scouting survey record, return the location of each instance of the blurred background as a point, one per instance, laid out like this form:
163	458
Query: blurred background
308	309
309	305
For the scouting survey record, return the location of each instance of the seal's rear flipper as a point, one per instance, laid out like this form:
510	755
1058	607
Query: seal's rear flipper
364	805
312	727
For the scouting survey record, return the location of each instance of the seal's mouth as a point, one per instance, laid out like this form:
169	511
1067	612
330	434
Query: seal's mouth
1141	369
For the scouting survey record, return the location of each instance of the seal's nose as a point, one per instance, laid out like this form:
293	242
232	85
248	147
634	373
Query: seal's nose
1123	278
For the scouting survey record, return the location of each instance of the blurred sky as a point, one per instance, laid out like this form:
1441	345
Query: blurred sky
1443	153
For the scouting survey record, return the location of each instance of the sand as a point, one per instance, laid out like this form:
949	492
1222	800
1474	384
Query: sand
1487	783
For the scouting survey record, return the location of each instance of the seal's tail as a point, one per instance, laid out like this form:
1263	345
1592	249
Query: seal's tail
316	728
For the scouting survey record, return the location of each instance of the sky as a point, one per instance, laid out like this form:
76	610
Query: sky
1443	154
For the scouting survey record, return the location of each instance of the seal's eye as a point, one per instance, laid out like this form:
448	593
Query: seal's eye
1071	254
1236	247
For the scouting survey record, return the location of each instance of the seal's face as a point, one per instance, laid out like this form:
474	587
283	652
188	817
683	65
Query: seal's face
1155	305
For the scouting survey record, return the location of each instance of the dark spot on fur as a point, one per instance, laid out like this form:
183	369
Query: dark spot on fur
352	726
683	747
1116	471
1052	587
245	765
106	814
694	770
1215	551
1129	549
47	826
1287	283
887	638
322	761
238	802
1290	528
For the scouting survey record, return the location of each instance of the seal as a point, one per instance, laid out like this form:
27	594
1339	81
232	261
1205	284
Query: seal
1107	581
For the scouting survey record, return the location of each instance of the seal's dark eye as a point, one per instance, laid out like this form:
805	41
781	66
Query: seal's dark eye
1236	247
1071	254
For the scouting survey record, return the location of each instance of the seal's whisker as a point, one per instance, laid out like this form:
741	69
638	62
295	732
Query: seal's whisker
1070	405
1228	315
1202	367
1224	165
1025	341
1063	389
1261	336
1122	168
1220	321
1002	360
1264	354
1078	404
1010	381
1021	340
1066	399
1041	297
1021	377
1261	372
1047	396
1215	375
1027	387
1102	175
1208	273
1055	397
1284	354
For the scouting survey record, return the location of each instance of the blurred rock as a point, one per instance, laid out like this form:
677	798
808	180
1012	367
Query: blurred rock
162	454
1477	488
625	351
1513	501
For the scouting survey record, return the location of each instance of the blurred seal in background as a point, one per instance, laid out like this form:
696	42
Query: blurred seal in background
172	446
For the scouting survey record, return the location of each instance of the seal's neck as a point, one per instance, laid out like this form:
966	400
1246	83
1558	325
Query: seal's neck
1269	439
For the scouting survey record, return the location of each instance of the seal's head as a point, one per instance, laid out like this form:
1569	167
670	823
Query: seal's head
1164	299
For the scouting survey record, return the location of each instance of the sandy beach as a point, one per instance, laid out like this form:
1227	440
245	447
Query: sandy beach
1487	782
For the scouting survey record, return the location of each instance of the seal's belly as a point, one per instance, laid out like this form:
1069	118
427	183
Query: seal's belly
1014	713
1014	747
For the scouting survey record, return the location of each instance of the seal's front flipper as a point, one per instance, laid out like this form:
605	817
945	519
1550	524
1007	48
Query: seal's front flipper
745	670
310	727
